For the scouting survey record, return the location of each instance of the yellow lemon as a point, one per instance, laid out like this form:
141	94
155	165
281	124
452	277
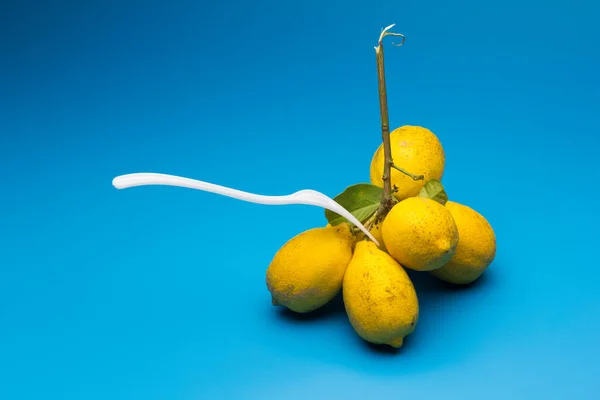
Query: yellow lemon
420	234
416	150
308	270
380	299
476	248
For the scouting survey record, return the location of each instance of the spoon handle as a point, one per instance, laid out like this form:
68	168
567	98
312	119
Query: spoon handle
305	197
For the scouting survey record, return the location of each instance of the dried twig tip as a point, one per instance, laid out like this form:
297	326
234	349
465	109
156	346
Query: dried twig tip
385	32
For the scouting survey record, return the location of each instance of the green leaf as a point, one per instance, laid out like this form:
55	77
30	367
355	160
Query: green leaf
434	190
361	200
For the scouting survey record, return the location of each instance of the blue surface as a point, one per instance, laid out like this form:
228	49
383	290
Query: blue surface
159	292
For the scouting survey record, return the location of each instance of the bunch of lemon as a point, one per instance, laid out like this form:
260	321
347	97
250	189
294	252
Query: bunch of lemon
422	231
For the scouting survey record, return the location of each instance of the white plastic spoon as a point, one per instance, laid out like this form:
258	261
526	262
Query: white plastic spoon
306	197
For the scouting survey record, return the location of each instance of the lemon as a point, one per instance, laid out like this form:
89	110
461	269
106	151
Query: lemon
308	270
420	234
416	150
379	297
476	248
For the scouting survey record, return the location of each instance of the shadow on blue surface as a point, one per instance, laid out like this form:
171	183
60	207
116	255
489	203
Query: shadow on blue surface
451	328
335	307
431	293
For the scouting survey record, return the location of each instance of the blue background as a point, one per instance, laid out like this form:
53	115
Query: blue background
159	292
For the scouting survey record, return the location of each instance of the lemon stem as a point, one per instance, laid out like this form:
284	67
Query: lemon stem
385	124
386	199
413	176
371	221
